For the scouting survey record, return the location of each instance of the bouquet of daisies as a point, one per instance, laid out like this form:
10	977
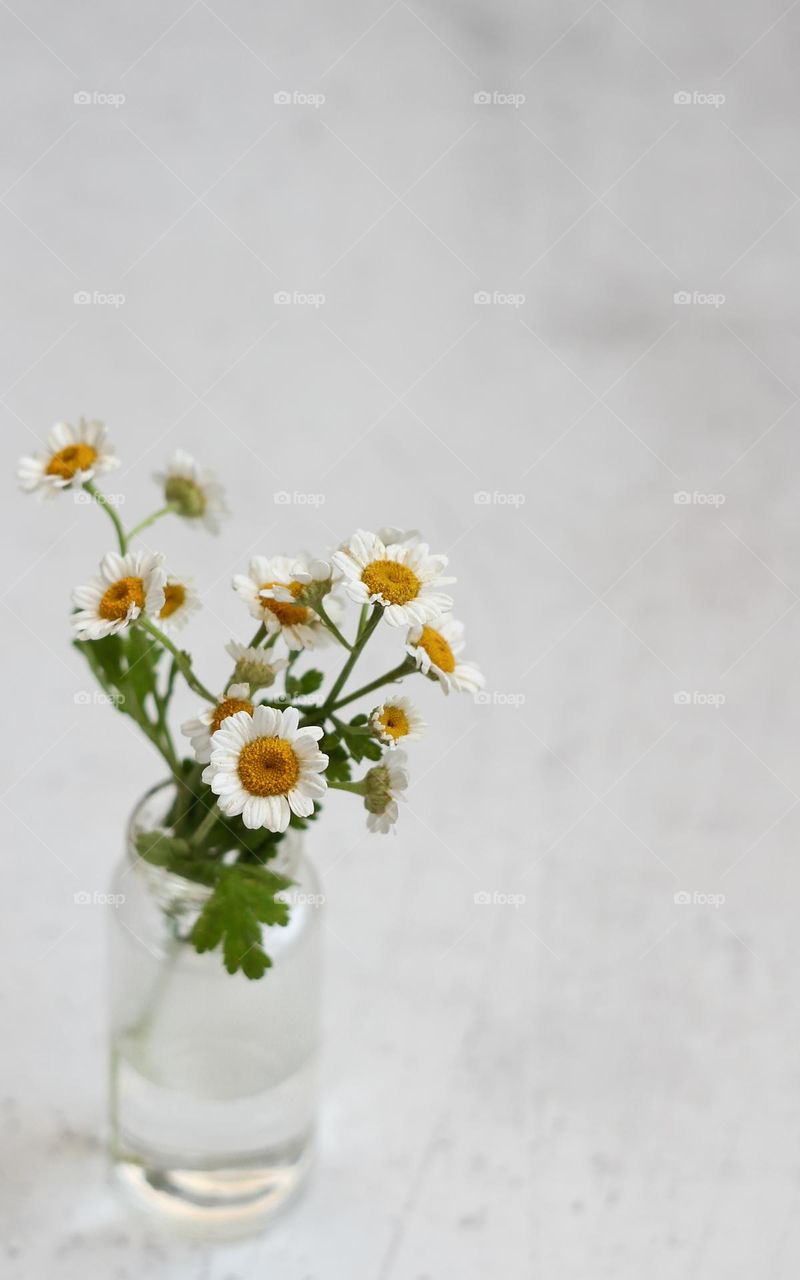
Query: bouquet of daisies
261	758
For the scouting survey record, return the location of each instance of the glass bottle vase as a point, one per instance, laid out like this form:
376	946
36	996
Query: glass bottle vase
213	1075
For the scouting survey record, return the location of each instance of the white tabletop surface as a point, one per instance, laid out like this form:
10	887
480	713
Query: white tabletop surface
596	1081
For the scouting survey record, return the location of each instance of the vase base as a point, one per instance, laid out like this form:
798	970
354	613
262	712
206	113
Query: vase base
211	1204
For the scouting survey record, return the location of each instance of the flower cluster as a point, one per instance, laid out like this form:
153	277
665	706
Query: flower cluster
261	760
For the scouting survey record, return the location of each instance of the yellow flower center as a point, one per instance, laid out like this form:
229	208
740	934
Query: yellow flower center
268	767
229	707
288	614
394	721
118	598
67	462
394	583
437	649
174	598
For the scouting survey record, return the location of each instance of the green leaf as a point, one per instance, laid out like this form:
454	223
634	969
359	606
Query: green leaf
242	901
338	769
177	856
159	848
307	683
358	740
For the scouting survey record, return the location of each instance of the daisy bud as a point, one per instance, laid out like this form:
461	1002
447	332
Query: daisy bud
384	783
379	792
195	494
187	496
253	667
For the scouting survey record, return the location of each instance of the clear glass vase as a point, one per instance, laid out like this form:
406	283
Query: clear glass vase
213	1075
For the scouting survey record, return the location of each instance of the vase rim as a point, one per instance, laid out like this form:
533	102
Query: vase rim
173	888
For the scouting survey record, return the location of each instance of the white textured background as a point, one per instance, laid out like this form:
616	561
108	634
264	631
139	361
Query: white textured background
601	1082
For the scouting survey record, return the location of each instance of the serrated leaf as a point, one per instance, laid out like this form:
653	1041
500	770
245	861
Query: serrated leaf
158	848
177	856
242	901
307	683
310	681
338	769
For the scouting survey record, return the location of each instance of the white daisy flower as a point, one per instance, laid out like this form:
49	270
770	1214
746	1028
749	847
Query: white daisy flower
75	455
128	586
388	534
181	600
308	569
435	648
197	494
254	666
270	589
201	729
403	579
385	785
266	768
396	720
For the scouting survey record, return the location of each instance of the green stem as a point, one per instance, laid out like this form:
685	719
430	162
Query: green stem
294	654
358	731
355	652
103	502
211	818
357	788
405	668
332	627
145	524
183	660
